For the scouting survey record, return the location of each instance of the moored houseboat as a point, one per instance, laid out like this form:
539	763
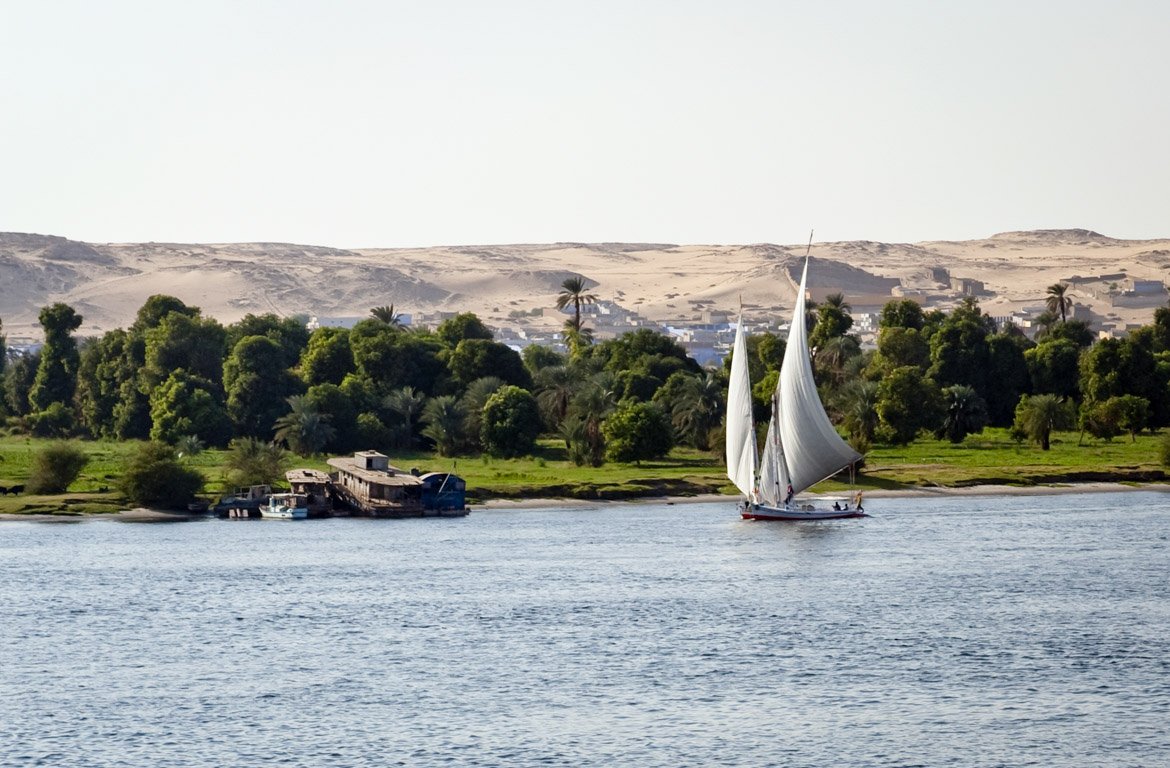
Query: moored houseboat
315	486
370	485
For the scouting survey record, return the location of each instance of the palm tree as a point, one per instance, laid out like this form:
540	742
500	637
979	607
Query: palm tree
591	405
966	413
573	292
699	410
387	315
474	398
556	385
858	405
444	418
407	403
303	429
1057	302
837	301
1038	415
577	337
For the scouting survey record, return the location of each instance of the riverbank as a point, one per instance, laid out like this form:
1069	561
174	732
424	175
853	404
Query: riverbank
140	515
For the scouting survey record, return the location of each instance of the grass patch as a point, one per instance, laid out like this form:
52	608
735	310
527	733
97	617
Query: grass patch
988	458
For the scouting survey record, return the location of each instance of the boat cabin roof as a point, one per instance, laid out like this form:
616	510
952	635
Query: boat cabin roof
390	476
306	476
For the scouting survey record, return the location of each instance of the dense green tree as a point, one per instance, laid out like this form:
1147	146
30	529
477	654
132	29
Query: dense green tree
1053	367
100	376
257	385
637	432
18	380
907	402
393	358
465	325
443	418
768	348
637	385
1161	329
1007	376
964	413
898	347
1076	331
185	405
56	378
647	350
333	403
959	351
327	358
475	358
195	344
901	313
1133	414
510	422
289	332
155	309
538	357
1102	419
155	477
304	429
1037	416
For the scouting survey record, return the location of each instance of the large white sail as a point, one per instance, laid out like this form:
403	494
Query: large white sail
741	435
812	448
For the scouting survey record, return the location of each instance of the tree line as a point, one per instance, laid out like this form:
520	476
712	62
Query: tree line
179	378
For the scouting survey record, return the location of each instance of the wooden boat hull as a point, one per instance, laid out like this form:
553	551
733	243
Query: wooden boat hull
795	512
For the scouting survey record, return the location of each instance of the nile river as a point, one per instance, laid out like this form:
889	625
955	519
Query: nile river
964	631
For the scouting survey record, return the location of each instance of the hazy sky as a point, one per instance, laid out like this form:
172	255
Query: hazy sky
423	123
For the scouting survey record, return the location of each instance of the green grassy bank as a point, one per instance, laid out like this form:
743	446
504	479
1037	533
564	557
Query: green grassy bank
989	458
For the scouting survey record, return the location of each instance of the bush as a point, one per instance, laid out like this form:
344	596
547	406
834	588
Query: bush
54	468
155	478
510	423
54	421
637	431
1164	450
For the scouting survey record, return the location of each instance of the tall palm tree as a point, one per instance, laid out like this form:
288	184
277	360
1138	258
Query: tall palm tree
387	315
573	292
407	403
303	429
699	410
1038	415
1058	302
444	418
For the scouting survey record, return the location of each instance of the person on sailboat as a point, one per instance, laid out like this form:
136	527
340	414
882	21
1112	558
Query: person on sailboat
788	498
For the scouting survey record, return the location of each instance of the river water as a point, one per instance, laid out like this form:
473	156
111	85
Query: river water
965	631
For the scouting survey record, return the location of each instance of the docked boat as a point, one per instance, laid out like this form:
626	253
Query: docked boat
802	447
286	506
369	484
315	486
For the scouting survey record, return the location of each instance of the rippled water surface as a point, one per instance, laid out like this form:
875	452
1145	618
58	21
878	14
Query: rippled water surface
957	631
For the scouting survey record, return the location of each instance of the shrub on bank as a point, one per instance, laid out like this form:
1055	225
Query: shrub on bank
155	477
54	468
1164	450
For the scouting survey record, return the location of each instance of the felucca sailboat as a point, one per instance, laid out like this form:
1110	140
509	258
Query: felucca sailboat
802	447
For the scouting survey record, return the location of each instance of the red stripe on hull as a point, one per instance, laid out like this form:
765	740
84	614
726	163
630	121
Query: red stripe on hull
793	518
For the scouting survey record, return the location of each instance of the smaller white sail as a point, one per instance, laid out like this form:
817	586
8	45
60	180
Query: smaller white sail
741	436
773	474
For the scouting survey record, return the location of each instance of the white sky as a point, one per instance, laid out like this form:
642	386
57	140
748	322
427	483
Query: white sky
359	124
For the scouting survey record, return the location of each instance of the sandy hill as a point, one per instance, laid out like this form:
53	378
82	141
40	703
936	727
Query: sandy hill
107	282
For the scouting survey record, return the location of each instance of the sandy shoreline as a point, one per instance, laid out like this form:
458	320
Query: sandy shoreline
141	515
